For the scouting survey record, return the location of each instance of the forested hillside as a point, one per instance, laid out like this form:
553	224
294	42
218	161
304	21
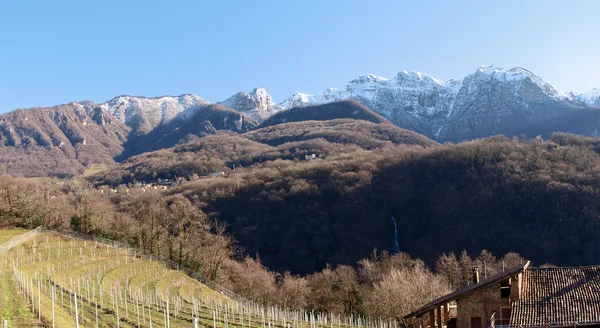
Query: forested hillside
533	197
536	198
327	215
290	141
336	110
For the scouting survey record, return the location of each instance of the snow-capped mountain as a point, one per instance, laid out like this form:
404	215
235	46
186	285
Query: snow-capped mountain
143	114
590	98
257	104
490	101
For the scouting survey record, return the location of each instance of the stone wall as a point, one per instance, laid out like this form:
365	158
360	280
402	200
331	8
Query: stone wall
481	303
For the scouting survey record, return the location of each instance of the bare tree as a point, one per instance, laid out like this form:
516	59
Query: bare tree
404	290
448	266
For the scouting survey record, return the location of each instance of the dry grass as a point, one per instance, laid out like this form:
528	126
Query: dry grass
7	234
95	168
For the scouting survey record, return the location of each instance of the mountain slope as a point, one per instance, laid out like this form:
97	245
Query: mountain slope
199	122
283	142
64	140
336	110
59	141
494	101
364	134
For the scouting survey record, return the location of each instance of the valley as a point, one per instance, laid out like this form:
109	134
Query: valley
320	204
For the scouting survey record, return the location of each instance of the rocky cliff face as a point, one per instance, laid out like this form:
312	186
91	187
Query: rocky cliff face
60	140
258	104
494	101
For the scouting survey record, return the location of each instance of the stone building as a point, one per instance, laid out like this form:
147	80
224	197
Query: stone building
520	297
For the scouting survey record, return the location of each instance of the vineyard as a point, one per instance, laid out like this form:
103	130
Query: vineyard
54	280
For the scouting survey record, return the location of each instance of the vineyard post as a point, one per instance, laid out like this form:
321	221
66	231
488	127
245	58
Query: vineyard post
39	303
150	313
116	305
95	304
226	325
32	299
53	298
80	300
165	316
137	310
76	312
168	317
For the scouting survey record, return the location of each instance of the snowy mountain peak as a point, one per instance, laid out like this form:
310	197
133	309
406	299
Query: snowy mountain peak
262	97
499	73
144	114
369	78
416	78
257	104
490	70
591	98
516	74
298	99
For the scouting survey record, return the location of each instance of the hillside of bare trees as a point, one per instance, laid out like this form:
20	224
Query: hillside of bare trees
172	226
534	197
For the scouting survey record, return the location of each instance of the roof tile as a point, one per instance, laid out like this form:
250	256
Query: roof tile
558	296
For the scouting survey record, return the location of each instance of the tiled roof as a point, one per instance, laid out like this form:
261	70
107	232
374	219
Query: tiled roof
467	290
558	297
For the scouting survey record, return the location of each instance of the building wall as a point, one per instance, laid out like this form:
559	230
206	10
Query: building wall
483	302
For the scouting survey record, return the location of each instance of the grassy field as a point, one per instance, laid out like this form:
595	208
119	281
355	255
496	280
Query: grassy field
95	168
54	277
6	235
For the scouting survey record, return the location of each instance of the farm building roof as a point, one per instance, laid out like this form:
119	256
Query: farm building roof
558	297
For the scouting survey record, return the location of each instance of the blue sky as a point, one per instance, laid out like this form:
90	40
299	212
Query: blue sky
54	52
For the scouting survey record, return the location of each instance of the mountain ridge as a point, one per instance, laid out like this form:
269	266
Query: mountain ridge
490	101
424	104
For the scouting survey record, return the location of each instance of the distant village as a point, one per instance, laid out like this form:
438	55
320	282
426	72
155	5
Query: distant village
160	184
166	184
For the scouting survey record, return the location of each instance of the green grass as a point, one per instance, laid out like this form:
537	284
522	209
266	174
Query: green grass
13	306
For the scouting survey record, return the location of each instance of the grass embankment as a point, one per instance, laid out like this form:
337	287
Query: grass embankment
8	234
